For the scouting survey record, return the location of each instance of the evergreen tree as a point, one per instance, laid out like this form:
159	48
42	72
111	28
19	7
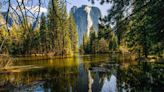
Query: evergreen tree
43	33
58	27
73	33
85	44
92	41
142	29
53	24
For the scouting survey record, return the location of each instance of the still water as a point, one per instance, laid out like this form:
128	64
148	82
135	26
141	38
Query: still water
89	73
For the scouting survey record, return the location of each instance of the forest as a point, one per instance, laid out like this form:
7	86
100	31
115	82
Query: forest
139	32
55	34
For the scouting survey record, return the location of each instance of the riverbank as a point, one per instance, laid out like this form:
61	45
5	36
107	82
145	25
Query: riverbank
132	56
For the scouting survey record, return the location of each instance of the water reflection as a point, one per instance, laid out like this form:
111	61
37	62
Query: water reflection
109	84
84	74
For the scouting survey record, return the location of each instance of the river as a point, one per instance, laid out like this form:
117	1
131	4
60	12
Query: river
84	73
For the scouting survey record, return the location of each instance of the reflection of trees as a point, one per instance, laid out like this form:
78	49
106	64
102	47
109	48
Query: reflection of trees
5	61
101	78
70	75
56	78
142	77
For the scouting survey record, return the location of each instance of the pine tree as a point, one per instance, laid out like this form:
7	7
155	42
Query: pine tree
52	23
86	46
43	33
73	33
58	27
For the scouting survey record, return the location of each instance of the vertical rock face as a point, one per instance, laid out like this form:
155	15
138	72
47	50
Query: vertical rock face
85	18
89	19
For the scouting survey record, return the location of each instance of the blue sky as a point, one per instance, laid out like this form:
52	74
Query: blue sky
78	3
70	4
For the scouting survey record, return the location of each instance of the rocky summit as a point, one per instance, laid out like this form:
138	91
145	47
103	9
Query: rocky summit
85	18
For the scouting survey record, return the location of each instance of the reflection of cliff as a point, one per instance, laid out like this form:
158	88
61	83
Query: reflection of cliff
90	81
101	78
98	81
109	84
82	83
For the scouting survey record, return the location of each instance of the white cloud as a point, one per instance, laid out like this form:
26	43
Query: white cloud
33	9
36	9
23	0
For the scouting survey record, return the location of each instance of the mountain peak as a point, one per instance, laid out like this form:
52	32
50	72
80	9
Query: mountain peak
86	6
73	9
85	18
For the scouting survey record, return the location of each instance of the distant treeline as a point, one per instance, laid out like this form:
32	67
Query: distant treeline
102	41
